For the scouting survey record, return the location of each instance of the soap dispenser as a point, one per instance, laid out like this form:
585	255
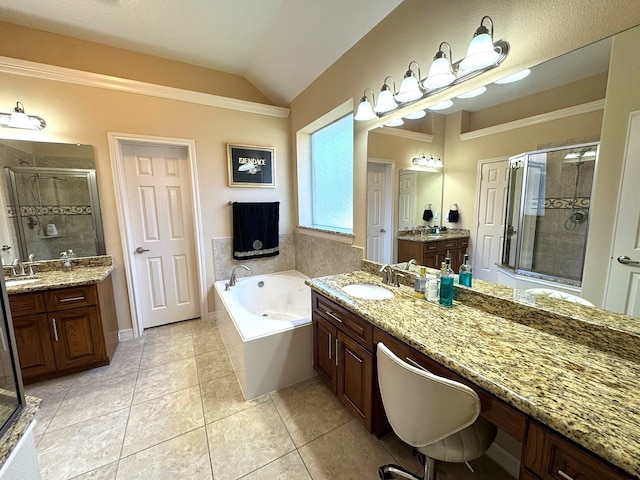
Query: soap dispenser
446	283
66	261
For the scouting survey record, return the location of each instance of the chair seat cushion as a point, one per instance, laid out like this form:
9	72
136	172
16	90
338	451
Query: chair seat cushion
467	444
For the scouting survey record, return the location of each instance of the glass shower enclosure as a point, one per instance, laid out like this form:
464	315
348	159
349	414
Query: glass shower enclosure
548	206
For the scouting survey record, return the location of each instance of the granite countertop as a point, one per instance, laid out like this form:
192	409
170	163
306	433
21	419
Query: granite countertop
581	380
19	426
430	237
49	274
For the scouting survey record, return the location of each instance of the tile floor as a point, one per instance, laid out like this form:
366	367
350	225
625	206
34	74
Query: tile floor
169	407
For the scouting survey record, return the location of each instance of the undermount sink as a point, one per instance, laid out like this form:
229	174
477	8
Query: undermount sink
21	281
368	291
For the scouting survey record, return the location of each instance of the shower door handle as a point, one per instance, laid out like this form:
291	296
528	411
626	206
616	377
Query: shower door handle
623	259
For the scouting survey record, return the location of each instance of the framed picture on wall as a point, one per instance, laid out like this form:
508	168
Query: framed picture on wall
251	166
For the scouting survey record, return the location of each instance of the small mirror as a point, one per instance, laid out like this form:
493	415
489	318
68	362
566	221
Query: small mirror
49	201
420	199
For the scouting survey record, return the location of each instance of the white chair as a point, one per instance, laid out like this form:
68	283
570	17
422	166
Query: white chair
548	292
437	416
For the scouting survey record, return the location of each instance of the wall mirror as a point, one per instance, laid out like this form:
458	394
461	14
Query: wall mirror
419	191
49	202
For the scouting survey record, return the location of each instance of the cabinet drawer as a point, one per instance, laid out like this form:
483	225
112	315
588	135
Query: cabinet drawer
448	245
72	297
462	243
357	328
430	247
552	457
26	304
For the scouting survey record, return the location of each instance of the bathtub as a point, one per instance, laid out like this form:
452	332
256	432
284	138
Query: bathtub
265	323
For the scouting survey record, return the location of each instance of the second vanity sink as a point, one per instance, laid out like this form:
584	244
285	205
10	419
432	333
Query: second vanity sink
21	281
368	291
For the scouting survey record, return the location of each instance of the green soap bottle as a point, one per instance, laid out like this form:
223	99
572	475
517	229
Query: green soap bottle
446	283
466	272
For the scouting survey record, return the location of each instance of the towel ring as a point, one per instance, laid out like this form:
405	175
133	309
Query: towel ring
428	206
454	206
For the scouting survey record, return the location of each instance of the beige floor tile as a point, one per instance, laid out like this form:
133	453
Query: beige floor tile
309	409
183	457
108	472
91	401
402	452
171	377
289	467
48	408
223	397
167	332
82	447
171	350
214	364
163	418
246	441
50	387
123	364
349	453
207	340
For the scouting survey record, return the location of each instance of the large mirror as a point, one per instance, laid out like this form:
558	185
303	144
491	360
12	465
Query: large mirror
419	199
49	202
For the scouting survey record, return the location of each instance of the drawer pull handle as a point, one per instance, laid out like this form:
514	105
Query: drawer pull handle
71	299
336	351
333	316
55	328
416	364
330	342
354	356
564	475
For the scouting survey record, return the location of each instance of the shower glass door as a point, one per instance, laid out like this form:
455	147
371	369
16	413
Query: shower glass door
548	209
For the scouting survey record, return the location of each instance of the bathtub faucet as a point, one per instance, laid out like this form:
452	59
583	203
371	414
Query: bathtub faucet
232	280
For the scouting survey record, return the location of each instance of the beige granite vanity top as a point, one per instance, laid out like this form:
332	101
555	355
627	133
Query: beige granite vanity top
429	237
16	431
581	380
49	274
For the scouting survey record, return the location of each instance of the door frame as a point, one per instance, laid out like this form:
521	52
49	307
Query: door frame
390	213
116	142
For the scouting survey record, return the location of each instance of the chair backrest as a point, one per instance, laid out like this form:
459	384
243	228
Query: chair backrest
423	408
549	292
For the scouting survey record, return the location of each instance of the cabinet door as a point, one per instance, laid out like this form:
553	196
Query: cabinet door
33	342
325	343
78	337
433	260
408	250
355	373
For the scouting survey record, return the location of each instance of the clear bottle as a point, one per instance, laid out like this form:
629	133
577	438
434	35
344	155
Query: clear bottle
420	285
446	283
466	272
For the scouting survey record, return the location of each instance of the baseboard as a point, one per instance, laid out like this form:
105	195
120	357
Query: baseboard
503	458
126	334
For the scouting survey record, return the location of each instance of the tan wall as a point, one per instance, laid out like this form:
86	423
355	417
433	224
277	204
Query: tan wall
78	114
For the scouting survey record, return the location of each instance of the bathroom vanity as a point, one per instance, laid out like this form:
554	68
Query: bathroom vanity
64	322
431	250
560	378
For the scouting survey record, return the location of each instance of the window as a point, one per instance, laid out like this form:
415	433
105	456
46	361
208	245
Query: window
325	173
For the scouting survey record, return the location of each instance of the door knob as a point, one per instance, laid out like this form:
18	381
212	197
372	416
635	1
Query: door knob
626	260
382	230
141	250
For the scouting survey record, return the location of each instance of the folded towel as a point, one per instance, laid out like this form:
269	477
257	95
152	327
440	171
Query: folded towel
427	215
255	230
453	216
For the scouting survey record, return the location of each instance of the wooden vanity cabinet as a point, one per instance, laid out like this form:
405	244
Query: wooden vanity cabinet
342	356
432	254
64	330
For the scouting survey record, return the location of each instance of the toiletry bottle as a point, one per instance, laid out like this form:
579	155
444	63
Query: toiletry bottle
465	272
420	285
432	293
66	262
446	284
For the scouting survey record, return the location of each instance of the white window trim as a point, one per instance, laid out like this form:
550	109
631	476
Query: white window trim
303	150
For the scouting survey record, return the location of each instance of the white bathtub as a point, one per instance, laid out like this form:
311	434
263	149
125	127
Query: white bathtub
265	322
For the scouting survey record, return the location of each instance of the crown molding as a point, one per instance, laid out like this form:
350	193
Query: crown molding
399	132
27	68
535	120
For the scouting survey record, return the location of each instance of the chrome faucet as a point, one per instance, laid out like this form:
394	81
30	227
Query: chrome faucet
409	263
387	274
232	280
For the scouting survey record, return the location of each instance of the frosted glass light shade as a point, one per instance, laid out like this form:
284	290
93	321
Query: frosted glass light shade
480	53
441	106
515	77
394	123
386	102
473	93
409	89
416	115
365	111
440	74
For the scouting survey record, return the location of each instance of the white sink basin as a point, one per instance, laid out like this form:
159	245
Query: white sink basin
368	291
22	281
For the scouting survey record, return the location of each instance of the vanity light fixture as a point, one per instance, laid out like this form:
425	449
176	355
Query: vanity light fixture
365	108
441	71
473	93
515	77
386	102
441	106
19	119
483	54
427	161
416	115
394	123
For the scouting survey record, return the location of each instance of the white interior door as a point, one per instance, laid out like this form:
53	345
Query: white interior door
407	200
494	183
159	196
623	285
378	221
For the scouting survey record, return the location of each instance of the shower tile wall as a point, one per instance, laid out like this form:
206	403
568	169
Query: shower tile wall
560	244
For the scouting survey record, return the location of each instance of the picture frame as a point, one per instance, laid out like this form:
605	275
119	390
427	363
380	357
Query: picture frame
251	166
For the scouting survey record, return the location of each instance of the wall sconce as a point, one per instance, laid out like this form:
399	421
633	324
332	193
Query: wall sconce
427	161
19	119
483	54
